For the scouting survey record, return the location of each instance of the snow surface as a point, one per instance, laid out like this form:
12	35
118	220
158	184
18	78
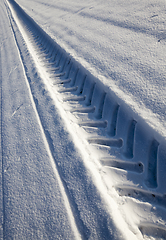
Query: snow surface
31	194
52	184
46	191
120	42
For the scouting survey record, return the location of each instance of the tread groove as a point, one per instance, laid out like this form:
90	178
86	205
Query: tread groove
152	165
124	165
106	142
101	106
112	127
130	140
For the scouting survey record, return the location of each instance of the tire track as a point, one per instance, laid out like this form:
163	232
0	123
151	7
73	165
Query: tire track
62	185
127	142
86	217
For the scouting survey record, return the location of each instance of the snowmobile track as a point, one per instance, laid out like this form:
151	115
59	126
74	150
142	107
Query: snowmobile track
109	125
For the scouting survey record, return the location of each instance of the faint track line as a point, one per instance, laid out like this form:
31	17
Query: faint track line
1	138
2	167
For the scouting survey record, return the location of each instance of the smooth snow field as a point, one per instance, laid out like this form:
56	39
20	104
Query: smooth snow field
83	119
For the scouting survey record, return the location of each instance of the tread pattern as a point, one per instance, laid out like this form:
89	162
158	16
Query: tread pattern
128	144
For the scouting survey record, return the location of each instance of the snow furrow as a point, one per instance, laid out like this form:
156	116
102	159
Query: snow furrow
129	154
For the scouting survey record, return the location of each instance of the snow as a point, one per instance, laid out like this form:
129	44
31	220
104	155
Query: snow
31	193
122	43
62	176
